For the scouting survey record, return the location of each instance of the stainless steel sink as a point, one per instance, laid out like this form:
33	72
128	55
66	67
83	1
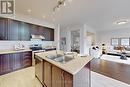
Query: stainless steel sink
53	56
63	59
60	58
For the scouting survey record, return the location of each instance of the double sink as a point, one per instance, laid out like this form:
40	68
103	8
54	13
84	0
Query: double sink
60	58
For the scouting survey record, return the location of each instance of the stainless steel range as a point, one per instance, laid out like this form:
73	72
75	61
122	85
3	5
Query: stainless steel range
36	47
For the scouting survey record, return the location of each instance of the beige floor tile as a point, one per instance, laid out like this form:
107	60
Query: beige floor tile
21	78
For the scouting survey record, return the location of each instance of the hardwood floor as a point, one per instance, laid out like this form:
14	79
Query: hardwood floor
99	80
113	70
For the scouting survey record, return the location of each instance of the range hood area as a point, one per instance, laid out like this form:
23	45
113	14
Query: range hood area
37	37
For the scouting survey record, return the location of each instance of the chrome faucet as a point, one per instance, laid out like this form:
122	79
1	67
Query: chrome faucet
68	54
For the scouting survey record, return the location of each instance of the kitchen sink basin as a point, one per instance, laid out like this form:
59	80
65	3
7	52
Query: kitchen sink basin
63	59
60	58
53	56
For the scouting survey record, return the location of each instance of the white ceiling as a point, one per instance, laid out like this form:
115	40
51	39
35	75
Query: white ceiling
99	14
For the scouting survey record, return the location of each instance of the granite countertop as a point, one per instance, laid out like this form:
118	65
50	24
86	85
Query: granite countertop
13	51
72	67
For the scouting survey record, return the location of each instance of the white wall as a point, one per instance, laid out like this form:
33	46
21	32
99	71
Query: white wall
84	46
87	44
4	45
57	36
105	36
67	33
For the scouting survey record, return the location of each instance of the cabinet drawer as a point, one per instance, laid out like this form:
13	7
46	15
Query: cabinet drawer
27	53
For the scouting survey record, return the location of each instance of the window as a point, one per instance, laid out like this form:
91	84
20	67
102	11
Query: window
125	41
114	41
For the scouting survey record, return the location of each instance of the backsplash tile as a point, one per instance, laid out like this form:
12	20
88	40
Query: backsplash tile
9	45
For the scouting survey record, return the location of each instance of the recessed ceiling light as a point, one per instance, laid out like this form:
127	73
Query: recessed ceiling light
43	16
64	4
29	10
121	22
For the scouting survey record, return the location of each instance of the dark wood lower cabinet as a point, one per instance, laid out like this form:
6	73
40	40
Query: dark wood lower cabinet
26	59
15	61
5	64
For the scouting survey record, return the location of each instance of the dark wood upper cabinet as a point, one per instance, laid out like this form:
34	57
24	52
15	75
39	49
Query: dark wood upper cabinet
17	30
40	30
33	29
13	30
24	31
3	29
51	33
48	34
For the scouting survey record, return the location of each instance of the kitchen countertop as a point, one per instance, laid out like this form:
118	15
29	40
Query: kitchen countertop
72	67
13	51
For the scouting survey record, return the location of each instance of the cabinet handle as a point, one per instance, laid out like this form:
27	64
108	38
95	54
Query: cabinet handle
62	75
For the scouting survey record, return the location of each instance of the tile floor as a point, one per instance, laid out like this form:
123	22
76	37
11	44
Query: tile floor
21	78
26	78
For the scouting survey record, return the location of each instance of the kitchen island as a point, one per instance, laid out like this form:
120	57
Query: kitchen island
51	73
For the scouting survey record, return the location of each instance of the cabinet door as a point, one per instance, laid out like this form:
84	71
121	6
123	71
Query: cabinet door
47	74
46	34
24	31
26	59
40	30
33	29
16	60
5	64
3	29
13	30
68	80
57	77
39	68
51	34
